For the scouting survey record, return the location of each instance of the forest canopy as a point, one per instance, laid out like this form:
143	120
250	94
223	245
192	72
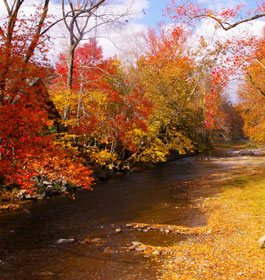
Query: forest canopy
90	112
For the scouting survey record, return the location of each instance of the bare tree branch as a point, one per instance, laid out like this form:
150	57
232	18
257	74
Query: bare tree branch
37	34
7	8
227	26
254	84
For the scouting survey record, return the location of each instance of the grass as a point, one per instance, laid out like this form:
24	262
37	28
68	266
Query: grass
252	196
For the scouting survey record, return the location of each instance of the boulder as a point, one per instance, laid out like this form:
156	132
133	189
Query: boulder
21	194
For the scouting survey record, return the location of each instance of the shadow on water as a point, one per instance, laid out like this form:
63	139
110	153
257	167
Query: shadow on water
28	239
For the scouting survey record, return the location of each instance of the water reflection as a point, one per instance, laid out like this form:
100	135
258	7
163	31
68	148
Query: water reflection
28	239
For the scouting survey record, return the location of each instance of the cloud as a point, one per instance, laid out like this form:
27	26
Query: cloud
112	37
218	5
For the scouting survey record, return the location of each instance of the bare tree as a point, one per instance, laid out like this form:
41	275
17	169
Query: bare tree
81	17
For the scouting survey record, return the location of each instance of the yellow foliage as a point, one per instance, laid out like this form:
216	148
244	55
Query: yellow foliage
181	143
102	157
65	141
155	152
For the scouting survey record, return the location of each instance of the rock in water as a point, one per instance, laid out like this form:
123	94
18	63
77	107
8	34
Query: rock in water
136	243
262	242
62	240
141	249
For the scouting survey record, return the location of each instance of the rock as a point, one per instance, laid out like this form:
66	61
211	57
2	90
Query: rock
49	188
132	247
145	230
84	241
28	196
167	231
246	153
262	242
40	196
108	250
136	243
141	249
46	273
96	239
62	240
258	152
46	183
128	225
118	230
147	256
21	194
157	252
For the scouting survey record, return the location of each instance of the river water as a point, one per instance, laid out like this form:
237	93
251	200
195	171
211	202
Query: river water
29	246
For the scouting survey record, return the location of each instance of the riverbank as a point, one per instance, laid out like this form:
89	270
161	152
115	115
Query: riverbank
12	199
184	219
228	247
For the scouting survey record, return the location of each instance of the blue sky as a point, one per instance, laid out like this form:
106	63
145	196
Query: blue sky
153	14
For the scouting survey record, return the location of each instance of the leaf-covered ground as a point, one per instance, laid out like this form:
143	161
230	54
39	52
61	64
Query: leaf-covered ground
236	221
228	247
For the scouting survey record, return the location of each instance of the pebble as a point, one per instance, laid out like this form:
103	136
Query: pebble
157	252
118	230
62	240
167	231
132	247
96	239
141	249
109	251
136	243
46	273
128	225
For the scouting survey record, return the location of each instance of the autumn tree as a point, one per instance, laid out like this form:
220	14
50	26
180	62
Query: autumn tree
252	94
191	13
165	73
106	108
80	19
27	145
240	51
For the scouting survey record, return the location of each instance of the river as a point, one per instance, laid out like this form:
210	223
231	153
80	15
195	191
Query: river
29	239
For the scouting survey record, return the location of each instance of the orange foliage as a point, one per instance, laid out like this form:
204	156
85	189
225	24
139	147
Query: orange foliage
26	142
